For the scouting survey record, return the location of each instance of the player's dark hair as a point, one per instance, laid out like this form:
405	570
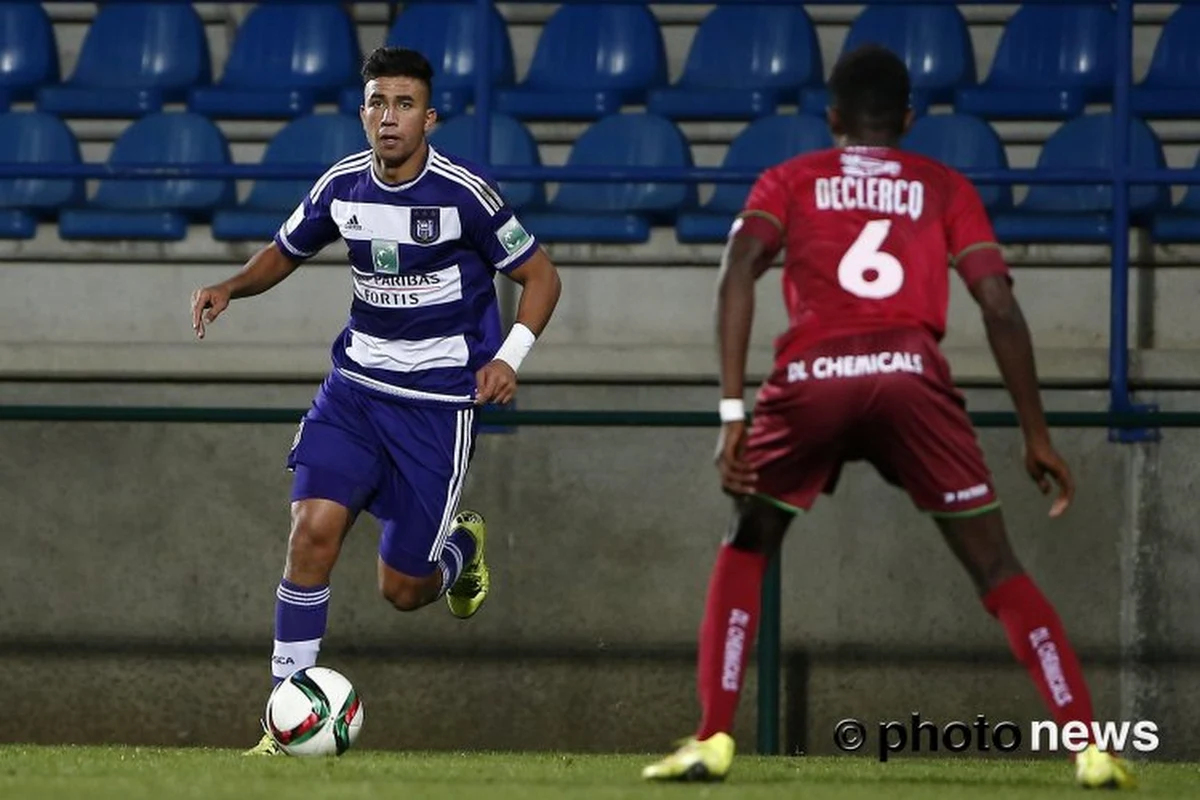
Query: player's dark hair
398	62
870	88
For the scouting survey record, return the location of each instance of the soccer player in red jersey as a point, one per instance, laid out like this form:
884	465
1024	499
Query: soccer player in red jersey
870	234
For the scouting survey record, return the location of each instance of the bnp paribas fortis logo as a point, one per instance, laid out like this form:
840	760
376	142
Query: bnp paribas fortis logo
512	236
385	257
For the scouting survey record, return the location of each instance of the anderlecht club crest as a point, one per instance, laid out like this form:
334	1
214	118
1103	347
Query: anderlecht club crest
426	225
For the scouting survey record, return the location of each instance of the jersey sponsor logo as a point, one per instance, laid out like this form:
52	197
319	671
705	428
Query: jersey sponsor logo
880	195
854	366
963	495
385	257
512	236
425	225
409	289
1051	665
861	166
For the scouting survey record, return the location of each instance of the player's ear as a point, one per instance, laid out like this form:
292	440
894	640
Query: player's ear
909	117
430	119
835	121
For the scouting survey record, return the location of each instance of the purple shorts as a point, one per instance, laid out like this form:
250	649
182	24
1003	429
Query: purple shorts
404	464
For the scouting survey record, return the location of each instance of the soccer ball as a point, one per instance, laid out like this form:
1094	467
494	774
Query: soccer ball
314	712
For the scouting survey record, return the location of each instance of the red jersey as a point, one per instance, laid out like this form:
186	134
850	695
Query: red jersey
870	236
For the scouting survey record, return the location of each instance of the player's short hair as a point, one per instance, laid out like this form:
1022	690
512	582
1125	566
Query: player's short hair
870	88
398	62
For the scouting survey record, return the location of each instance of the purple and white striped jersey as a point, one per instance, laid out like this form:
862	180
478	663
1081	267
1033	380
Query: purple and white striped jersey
423	258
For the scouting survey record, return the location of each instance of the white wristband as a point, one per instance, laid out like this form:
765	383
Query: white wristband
732	410
520	340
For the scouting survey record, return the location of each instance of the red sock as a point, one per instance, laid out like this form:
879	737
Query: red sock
727	635
1038	640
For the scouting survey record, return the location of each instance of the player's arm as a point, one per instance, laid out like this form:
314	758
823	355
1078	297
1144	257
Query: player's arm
497	234
302	235
754	241
747	256
982	267
265	269
540	290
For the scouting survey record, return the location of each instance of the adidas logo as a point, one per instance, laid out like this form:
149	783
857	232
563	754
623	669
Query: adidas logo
352	223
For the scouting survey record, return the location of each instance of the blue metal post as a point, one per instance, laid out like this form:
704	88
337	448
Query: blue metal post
1120	398
483	82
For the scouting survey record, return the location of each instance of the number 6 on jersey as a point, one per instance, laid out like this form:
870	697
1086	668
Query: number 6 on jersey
863	257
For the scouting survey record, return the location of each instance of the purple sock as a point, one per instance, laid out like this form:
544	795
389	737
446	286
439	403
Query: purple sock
458	552
300	614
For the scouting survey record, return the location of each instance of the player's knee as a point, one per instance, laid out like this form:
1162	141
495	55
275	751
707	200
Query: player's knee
404	595
312	543
996	570
758	527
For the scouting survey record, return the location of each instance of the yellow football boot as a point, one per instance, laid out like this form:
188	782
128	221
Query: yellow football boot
695	760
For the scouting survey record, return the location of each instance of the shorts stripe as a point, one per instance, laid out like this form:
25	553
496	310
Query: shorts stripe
462	453
970	512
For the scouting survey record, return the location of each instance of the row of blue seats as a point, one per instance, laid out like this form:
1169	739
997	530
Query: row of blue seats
589	61
580	211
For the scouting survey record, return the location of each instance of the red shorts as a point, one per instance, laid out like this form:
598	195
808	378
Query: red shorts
884	397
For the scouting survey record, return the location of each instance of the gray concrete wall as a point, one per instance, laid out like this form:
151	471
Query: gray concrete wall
137	577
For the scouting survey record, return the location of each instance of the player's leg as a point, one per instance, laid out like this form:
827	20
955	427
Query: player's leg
427	550
731	613
319	527
794	446
416	582
336	466
1035	633
924	441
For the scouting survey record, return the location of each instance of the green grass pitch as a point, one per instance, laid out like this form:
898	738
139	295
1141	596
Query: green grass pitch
129	773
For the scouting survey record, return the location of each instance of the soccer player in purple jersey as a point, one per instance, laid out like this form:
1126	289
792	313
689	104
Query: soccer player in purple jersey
392	428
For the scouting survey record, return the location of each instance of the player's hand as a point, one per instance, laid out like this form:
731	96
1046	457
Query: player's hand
1048	468
495	382
737	476
207	305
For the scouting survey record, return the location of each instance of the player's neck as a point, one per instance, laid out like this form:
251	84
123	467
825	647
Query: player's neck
868	141
406	170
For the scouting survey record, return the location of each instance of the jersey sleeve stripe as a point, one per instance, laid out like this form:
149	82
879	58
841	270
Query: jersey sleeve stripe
354	163
769	217
972	248
467	175
489	206
291	248
478	180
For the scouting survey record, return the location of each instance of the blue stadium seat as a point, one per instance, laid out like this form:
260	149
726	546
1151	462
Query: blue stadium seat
512	145
744	60
764	143
1180	223
135	57
30	51
932	40
445	33
618	212
963	142
589	61
1057	213
1052	60
157	209
1172	86
284	59
319	140
35	138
